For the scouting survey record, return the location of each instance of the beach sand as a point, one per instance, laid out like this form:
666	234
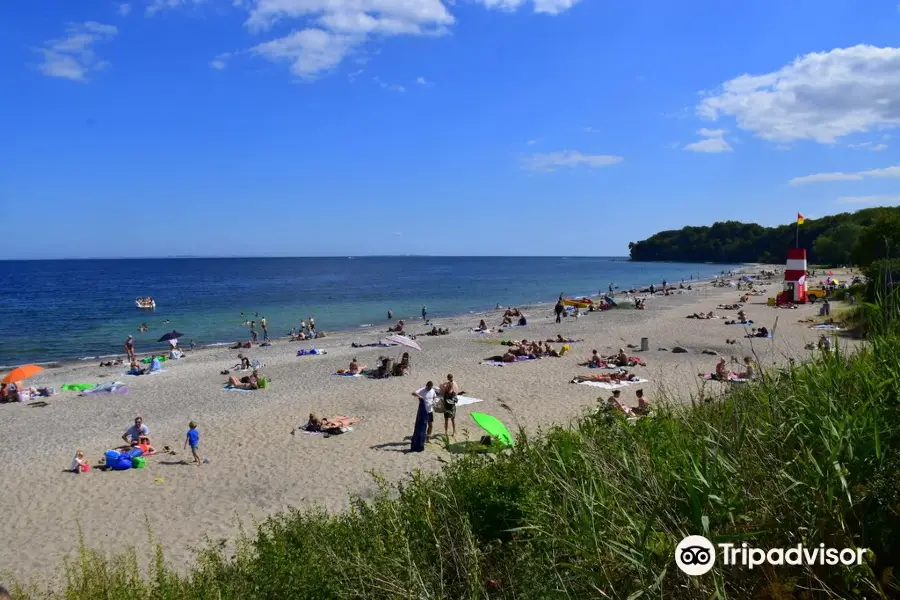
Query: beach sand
256	467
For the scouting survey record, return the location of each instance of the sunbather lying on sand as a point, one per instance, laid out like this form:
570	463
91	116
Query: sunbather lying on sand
507	358
607	378
709	315
354	369
240	345
435	331
561	340
729	306
762	332
336	424
249	382
112	363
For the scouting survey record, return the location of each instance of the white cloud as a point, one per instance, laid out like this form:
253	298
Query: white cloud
221	61
532	142
157	5
73	57
326	31
885	173
422	81
821	96
713	141
391	87
876	200
309	51
551	161
868	146
124	9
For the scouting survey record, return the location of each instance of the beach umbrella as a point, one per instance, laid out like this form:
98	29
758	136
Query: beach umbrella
493	426
174	335
23	372
403	341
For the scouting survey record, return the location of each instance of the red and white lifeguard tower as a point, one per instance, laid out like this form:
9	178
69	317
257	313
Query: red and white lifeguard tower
795	274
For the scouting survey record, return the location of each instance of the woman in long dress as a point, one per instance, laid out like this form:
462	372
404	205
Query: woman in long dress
420	432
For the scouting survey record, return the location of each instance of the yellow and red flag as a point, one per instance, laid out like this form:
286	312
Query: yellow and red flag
800	219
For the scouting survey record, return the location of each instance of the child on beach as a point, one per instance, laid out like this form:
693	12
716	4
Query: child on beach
80	463
193	438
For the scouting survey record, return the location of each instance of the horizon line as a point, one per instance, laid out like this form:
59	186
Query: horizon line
242	257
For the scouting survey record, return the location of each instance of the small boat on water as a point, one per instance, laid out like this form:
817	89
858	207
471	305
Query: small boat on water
147	303
579	302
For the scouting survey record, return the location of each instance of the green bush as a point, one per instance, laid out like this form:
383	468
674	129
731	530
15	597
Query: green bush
807	454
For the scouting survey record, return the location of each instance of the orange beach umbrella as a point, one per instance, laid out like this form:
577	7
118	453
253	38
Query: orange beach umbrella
23	372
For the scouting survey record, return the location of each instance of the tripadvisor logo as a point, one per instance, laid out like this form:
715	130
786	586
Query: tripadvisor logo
695	555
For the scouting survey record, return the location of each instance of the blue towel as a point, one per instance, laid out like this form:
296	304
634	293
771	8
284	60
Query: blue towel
231	388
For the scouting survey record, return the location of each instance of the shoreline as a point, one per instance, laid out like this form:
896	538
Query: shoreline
364	328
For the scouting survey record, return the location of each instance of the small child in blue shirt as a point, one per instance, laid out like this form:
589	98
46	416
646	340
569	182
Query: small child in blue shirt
193	438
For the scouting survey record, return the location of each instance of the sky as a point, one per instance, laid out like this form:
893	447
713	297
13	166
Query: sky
462	127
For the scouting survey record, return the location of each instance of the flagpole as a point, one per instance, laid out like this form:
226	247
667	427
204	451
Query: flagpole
797	239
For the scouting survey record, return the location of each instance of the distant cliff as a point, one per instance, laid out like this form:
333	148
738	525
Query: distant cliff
846	238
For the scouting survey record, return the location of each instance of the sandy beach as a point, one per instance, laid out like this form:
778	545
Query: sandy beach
257	467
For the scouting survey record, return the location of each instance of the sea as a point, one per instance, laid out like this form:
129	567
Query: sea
55	310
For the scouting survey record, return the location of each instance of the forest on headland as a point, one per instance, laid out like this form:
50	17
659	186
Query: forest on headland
857	238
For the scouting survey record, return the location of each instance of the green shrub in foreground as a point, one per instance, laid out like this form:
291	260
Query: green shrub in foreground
807	455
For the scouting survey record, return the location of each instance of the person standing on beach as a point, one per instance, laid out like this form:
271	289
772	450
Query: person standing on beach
262	323
424	417
449	392
129	347
559	308
253	334
312	323
424	313
193	438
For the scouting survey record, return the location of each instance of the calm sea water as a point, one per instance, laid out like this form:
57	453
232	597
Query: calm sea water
52	310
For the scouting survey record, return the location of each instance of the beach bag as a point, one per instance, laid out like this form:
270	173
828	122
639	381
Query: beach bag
438	406
263	383
138	462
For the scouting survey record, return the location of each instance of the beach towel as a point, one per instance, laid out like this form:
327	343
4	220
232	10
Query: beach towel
830	327
310	352
113	387
611	386
77	387
731	378
750	335
231	388
747	323
147	373
463	400
349	374
482	331
498	363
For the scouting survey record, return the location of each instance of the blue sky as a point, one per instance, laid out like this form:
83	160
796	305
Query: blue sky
501	127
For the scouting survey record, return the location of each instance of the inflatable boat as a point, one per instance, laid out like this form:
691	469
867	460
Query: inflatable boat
579	302
145	303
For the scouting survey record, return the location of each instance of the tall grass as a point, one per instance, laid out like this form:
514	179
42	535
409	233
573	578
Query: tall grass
808	454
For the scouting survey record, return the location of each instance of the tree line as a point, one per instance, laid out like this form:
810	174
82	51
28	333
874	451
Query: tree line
858	238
